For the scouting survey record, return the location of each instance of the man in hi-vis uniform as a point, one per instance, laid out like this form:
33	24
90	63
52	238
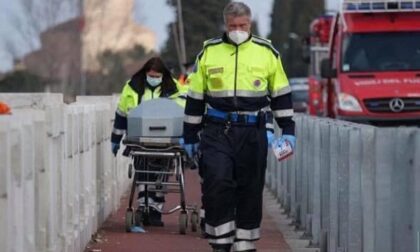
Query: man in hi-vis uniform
237	78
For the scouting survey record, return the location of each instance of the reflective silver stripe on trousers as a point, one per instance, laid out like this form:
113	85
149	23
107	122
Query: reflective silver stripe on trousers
280	92
193	119
202	213
121	113
195	95
269	126
118	131
243	245
228	240
221	229
246	234
151	203
283	113
242	93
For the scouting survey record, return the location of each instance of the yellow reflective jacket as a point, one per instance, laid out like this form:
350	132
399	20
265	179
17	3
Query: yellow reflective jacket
129	99
232	78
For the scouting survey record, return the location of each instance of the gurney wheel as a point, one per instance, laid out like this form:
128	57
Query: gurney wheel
128	219
195	221
183	223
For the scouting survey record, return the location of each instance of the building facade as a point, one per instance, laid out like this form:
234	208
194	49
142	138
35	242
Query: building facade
109	25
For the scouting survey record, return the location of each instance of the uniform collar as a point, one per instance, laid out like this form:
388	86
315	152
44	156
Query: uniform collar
153	89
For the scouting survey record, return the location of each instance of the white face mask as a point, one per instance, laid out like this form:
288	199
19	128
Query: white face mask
238	37
154	82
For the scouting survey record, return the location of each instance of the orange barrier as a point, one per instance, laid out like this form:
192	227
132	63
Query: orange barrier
4	109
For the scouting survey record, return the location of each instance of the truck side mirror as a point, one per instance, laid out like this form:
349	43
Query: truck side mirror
326	69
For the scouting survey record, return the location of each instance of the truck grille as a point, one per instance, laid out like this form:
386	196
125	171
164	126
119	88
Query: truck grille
393	105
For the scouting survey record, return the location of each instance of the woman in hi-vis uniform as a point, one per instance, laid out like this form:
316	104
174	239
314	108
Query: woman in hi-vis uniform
153	80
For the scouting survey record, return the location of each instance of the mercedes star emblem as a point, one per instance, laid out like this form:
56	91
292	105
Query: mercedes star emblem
396	105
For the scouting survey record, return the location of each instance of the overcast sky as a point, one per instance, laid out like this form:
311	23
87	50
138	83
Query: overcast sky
152	13
261	11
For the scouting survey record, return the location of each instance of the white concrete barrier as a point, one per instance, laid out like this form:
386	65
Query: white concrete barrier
352	187
59	180
4	178
31	100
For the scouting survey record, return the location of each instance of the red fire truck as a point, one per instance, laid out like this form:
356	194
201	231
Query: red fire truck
373	69
318	48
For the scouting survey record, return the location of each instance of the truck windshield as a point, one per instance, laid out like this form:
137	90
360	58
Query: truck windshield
378	52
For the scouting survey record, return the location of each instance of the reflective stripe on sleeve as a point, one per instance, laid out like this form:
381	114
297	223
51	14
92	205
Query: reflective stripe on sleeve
228	240
280	92
283	113
121	113
243	246
193	119
195	95
119	132
246	234
221	229
241	93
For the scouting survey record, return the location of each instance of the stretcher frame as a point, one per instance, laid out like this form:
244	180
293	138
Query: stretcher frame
173	180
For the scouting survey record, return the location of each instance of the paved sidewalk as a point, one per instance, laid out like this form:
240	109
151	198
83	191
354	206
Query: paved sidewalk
112	236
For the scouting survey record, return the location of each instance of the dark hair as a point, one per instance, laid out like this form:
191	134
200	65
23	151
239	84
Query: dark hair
138	81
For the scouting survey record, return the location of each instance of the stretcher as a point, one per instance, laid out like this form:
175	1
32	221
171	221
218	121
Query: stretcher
158	161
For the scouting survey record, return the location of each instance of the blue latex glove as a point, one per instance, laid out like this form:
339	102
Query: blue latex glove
270	137
191	149
181	142
114	148
290	138
137	229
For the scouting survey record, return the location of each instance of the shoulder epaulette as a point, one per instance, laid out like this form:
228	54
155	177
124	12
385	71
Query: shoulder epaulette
213	41
261	38
207	43
266	43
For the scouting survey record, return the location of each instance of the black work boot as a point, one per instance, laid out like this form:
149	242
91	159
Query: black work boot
220	250
203	228
155	218
223	248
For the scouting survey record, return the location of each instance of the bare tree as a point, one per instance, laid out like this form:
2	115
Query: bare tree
11	49
52	58
39	15
52	47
